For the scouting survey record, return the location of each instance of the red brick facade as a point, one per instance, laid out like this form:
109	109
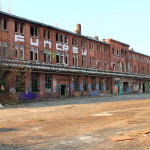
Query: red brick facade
65	64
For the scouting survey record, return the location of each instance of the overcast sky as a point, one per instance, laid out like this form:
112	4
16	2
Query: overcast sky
127	21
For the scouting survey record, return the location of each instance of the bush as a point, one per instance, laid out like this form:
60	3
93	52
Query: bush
9	98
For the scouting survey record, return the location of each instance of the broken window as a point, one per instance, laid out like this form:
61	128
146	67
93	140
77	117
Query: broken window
33	31
36	31
62	58
36	54
66	58
57	37
83	43
75	42
16	26
117	52
61	38
113	66
91	60
21	28
57	58
66	39
105	49
73	60
44	33
84	62
31	54
99	64
76	60
48	56
44	55
113	51
5	24
91	45
47	34
98	47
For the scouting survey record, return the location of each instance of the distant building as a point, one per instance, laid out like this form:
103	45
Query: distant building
68	64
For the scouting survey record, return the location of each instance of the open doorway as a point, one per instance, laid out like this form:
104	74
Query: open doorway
63	90
125	87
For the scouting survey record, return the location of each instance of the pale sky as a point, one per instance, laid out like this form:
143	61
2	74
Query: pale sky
127	21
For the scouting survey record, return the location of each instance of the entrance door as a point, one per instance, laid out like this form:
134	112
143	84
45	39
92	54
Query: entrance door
63	90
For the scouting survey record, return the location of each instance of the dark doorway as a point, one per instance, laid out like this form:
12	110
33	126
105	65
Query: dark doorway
63	90
143	87
125	87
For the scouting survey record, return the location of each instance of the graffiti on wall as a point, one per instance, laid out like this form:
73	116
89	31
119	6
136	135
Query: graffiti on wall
89	87
28	96
120	89
104	86
71	89
115	89
57	88
97	87
95	93
81	86
127	90
76	93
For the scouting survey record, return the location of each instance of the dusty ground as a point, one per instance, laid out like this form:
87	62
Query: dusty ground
92	126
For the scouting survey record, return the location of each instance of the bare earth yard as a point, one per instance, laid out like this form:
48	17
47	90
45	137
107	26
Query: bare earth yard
113	125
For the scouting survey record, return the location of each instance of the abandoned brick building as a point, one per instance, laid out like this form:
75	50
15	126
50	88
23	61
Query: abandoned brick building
67	64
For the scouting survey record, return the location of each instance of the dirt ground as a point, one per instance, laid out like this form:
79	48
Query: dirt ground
118	125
